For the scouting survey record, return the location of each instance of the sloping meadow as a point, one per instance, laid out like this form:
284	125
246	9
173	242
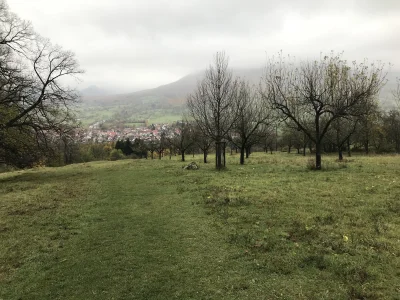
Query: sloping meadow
331	234
148	229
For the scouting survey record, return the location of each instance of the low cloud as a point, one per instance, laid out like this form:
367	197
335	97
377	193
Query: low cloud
130	45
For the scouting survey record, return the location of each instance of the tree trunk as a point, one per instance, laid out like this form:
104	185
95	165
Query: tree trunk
242	150
205	156
366	138
340	153
318	149
183	155
397	147
248	151
223	152
366	143
318	144
218	154
348	148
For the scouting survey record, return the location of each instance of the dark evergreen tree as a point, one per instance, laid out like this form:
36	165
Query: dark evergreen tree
127	149
139	148
119	145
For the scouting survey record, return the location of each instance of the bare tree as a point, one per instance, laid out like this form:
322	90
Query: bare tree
33	101
181	137
67	145
269	138
341	131
252	115
315	94
44	104
214	105
291	136
15	33
161	144
152	145
369	121
396	94
202	141
391	125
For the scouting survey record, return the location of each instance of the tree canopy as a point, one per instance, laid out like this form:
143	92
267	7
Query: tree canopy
35	105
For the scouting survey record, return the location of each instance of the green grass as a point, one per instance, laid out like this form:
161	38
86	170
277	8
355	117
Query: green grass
143	229
165	117
134	125
90	113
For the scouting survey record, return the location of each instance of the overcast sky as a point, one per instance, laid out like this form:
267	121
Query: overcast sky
128	45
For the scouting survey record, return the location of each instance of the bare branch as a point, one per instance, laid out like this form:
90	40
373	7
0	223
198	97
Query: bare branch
321	92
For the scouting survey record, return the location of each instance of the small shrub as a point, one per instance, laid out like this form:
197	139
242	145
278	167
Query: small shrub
39	164
6	168
116	154
311	164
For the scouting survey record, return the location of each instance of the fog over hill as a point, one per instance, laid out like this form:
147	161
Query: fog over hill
175	93
94	91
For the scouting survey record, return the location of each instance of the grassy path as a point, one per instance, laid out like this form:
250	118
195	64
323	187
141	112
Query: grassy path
134	236
149	230
149	242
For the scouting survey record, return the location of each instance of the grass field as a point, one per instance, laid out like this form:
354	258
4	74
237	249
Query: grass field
89	114
143	229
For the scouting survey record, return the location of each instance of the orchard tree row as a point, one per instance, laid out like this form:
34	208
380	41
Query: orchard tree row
326	104
377	131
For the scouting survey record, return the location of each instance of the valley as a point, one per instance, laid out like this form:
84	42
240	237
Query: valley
167	103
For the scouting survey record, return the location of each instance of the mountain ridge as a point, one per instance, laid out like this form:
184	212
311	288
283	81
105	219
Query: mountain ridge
176	92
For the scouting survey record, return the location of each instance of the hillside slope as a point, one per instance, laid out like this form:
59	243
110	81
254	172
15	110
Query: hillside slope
166	103
176	92
147	229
